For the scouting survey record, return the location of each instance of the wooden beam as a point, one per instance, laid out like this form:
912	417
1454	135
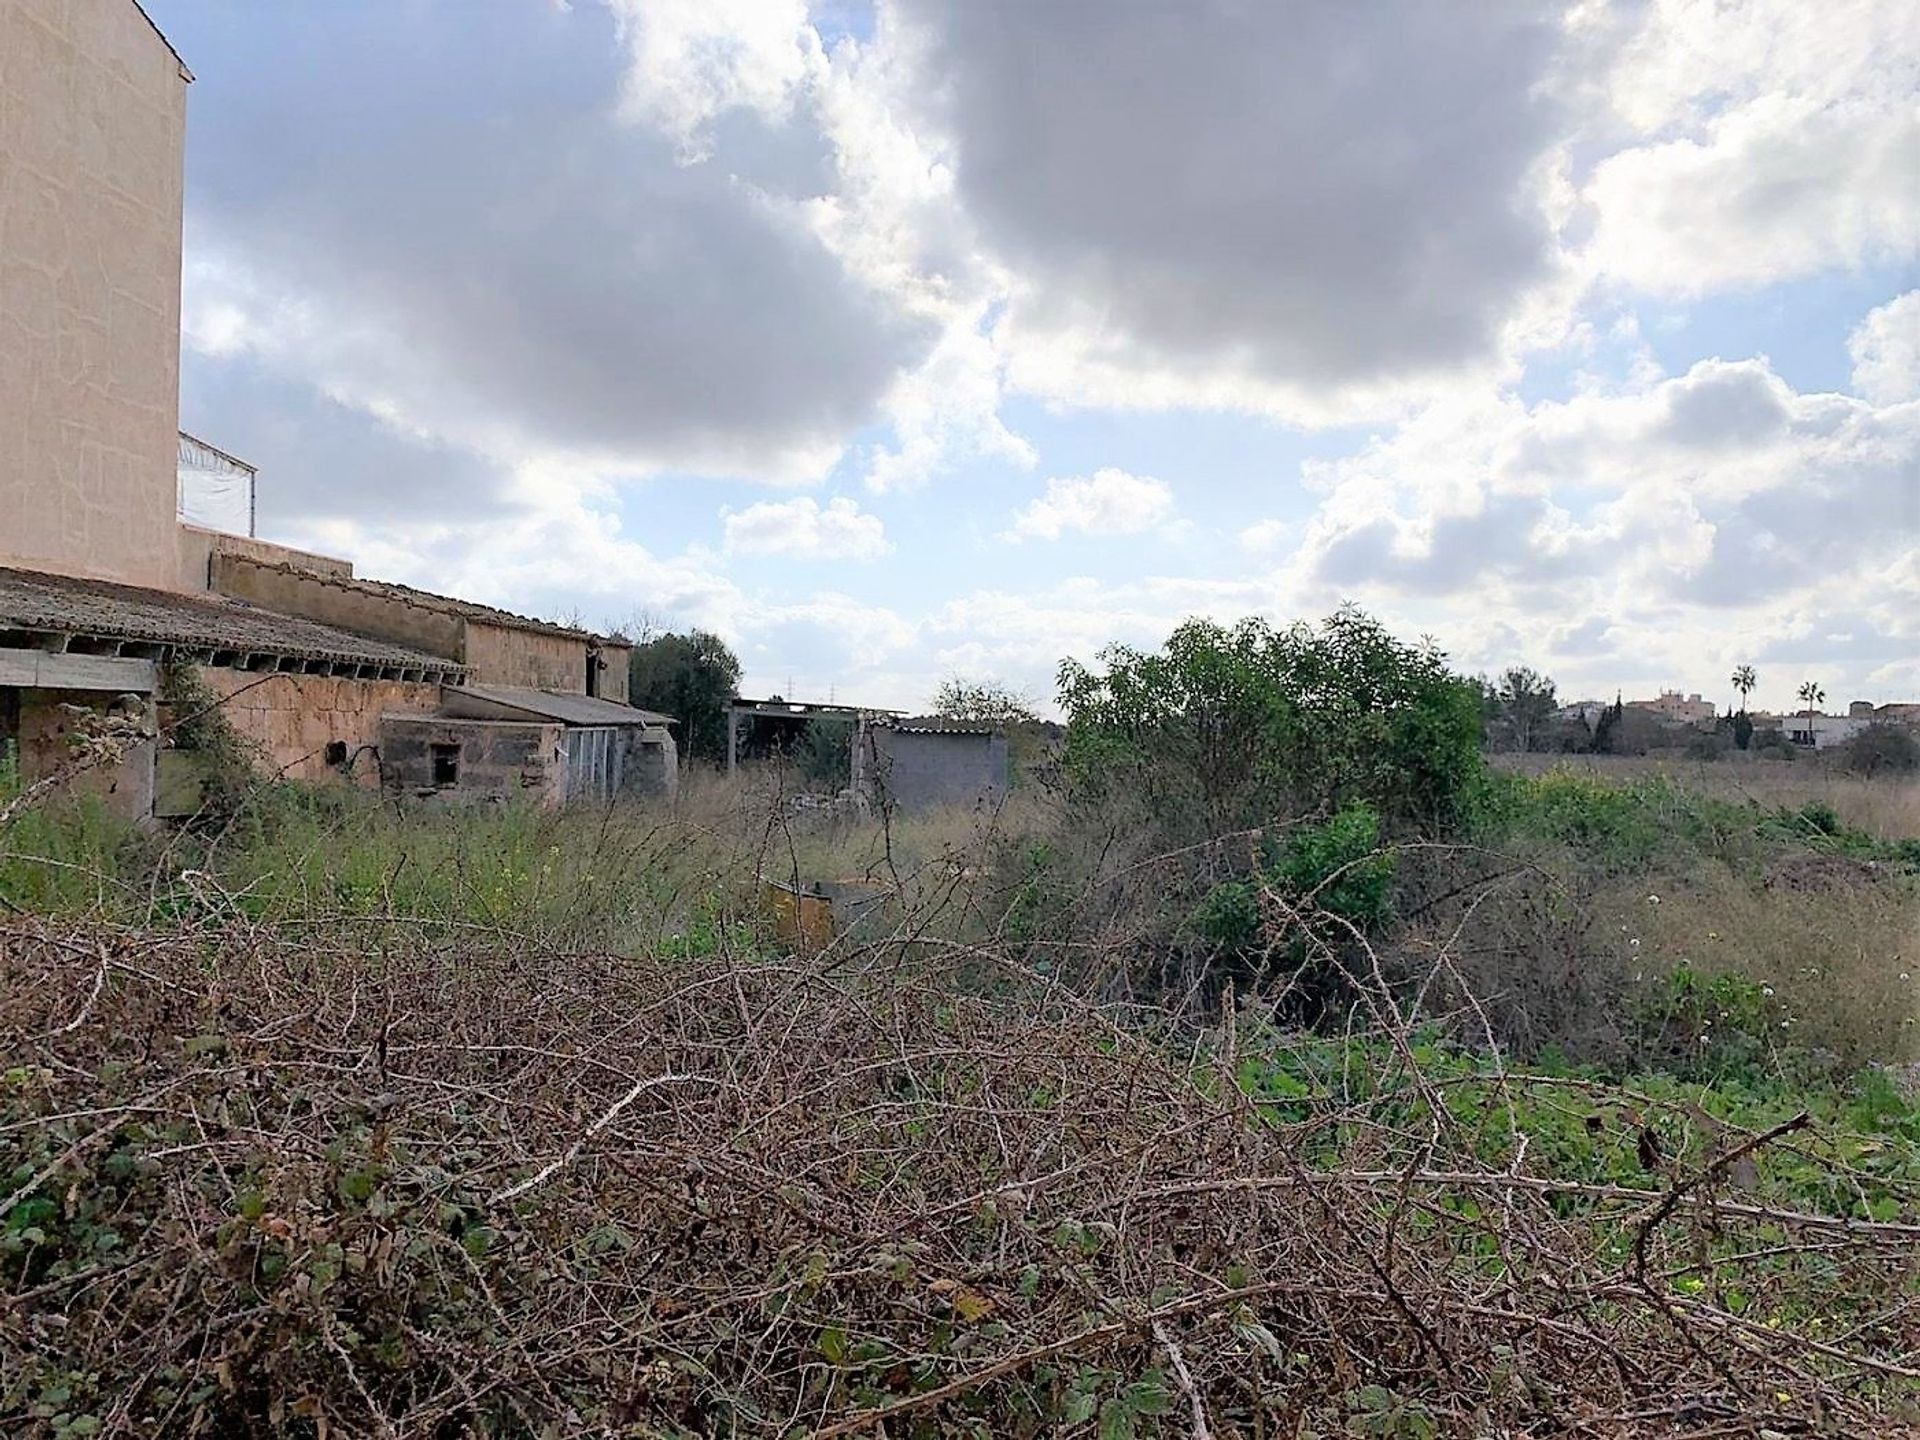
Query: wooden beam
42	670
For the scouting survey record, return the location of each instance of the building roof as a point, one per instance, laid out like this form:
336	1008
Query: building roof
800	709
941	725
428	600
471	609
560	705
92	612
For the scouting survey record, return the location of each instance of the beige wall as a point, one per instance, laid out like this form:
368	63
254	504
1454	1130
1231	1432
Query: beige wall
198	547
613	672
92	129
503	656
339	602
292	718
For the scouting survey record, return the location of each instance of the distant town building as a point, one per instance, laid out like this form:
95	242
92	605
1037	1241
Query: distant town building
1822	732
1682	709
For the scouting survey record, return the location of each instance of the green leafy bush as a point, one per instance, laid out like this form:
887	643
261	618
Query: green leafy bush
1233	727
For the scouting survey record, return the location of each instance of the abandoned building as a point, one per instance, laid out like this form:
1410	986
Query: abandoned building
923	762
894	761
129	570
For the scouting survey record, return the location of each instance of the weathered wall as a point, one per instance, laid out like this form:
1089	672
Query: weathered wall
47	728
652	766
92	124
499	760
336	601
293	718
918	771
500	655
197	548
614	662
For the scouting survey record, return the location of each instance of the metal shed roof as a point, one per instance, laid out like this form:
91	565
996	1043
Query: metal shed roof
483	702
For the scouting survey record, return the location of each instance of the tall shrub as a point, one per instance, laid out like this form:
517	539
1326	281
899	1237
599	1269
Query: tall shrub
1227	727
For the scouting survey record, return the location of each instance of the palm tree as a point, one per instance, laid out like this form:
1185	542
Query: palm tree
1744	680
1811	696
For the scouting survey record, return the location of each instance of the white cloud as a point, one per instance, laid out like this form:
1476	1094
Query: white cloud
1762	141
1699	517
946	412
1886	352
1281	208
692	60
1264	536
566	287
1107	502
803	528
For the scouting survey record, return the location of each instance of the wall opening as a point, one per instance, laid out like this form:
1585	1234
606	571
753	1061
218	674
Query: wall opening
446	764
336	753
593	673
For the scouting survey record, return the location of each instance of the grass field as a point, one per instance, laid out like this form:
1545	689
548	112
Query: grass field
1593	1118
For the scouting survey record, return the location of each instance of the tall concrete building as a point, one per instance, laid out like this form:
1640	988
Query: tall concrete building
93	112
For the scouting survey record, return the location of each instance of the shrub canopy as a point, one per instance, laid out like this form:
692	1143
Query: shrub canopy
690	677
1238	726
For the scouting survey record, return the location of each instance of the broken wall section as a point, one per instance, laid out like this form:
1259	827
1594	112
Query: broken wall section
432	756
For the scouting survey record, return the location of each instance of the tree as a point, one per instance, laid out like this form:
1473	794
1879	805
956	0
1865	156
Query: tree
1526	703
1224	728
1744	680
1811	696
691	677
987	702
1606	729
1881	748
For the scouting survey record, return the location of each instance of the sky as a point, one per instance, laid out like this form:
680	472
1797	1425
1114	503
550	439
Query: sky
902	340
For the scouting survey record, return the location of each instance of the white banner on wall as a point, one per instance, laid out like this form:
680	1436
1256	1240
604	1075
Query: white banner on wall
216	490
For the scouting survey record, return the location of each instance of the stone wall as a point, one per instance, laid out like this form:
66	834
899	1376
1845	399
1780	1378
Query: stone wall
916	771
496	760
652	765
294	718
92	127
502	655
47	726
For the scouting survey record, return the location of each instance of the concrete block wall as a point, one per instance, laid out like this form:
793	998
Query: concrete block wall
92	131
499	760
293	718
916	771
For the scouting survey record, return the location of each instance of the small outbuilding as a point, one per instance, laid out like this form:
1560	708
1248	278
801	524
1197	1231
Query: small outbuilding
494	742
921	762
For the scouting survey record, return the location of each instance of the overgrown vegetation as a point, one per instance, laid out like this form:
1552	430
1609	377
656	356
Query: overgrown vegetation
1280	1070
1226	728
691	677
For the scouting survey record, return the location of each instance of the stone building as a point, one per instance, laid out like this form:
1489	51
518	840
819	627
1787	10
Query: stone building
108	596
